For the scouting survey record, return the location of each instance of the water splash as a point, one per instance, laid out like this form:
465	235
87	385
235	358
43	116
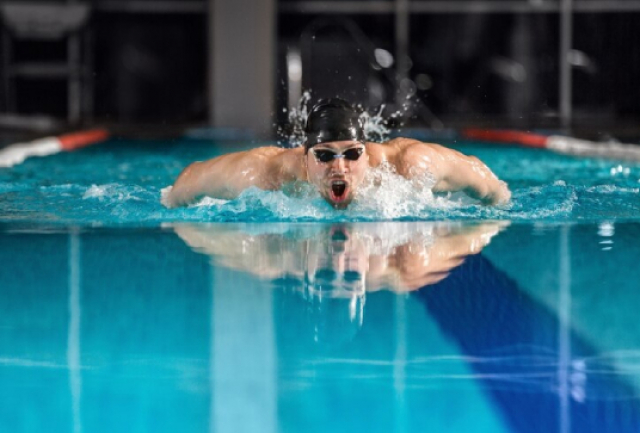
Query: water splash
122	186
113	192
376	126
387	194
292	134
384	195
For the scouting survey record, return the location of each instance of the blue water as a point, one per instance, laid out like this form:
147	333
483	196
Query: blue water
117	314
120	182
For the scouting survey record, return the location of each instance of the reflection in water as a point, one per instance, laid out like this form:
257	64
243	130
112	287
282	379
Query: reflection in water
332	267
537	371
337	260
73	339
113	327
541	374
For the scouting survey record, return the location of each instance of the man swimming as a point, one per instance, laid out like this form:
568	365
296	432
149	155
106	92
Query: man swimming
335	159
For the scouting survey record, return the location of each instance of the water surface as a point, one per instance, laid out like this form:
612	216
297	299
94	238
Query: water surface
119	183
407	312
399	326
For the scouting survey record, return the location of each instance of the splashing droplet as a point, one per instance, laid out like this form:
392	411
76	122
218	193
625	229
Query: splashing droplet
375	126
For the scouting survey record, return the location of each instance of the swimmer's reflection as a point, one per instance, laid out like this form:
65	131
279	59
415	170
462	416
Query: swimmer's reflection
343	258
332	267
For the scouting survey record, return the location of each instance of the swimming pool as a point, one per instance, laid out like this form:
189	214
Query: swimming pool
277	313
119	183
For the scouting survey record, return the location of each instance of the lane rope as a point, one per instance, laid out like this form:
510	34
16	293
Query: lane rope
16	153
557	143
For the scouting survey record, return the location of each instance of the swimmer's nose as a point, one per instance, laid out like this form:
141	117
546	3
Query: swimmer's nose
339	163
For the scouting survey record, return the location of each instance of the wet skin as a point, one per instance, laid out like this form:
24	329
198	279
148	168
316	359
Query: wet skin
337	180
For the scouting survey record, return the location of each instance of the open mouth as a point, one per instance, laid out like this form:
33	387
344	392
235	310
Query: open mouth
338	190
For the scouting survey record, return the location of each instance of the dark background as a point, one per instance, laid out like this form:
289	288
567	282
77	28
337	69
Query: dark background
149	66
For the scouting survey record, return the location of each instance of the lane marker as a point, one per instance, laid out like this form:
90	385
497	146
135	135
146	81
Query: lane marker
557	143
16	153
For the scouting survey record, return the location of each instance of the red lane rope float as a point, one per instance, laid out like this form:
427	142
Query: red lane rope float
527	139
557	143
18	152
77	140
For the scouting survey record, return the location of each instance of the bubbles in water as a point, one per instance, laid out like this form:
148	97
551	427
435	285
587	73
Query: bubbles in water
95	191
114	192
620	170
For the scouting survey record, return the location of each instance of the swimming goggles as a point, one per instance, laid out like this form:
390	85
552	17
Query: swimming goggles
328	155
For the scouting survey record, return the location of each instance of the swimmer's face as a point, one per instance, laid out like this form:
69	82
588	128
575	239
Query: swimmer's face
337	265
337	169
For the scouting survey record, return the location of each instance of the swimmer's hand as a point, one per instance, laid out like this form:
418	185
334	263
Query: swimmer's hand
170	198
452	171
164	197
499	196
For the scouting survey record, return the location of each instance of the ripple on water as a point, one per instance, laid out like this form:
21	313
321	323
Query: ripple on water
386	196
120	184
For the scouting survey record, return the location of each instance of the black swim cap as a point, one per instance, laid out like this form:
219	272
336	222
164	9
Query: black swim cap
332	120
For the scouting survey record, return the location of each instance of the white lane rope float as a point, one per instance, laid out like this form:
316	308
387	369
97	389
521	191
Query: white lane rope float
558	143
18	152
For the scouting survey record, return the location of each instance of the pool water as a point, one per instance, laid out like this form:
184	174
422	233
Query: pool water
119	183
275	313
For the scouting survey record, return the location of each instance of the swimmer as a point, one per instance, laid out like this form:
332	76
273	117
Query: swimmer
335	159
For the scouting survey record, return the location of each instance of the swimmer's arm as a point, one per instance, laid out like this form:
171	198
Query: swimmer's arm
454	171
223	177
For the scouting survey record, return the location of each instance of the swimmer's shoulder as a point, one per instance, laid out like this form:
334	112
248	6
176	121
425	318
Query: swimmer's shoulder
394	150
409	148
266	151
284	164
404	153
402	143
266	155
378	152
276	151
263	159
394	145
